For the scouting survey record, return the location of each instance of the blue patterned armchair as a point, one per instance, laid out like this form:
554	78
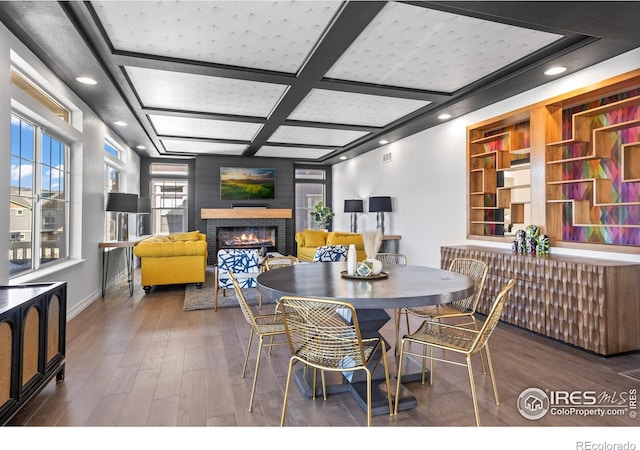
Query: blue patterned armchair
330	253
243	263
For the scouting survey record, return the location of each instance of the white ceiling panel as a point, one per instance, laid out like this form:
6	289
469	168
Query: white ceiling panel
192	92
202	147
203	128
272	35
322	105
415	47
287	134
274	151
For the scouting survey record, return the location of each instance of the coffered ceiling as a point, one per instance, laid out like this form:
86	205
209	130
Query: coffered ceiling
306	80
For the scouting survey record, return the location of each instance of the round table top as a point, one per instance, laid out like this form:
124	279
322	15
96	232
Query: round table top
406	286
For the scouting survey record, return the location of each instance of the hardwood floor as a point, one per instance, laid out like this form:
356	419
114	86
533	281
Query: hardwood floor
143	361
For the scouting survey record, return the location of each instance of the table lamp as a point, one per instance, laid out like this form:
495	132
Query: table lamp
353	207
122	204
144	207
380	205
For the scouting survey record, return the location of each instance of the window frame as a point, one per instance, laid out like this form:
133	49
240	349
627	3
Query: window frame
37	198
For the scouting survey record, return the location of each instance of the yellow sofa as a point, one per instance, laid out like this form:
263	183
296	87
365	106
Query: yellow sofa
308	240
172	259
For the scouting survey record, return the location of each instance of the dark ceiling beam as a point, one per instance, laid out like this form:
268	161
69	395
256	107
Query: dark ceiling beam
201	115
203	139
290	145
386	91
331	126
350	22
130	59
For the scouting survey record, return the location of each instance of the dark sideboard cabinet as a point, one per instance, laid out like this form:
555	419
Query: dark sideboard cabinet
587	302
33	321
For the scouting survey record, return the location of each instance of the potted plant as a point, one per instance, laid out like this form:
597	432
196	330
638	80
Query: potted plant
322	214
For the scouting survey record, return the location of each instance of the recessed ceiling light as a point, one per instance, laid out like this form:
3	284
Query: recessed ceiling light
86	80
555	70
383	142
140	147
120	123
343	158
444	116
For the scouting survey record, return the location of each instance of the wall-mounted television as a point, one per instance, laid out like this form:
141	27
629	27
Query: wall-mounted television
241	183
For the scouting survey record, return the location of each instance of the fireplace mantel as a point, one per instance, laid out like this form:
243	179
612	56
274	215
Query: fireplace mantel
245	213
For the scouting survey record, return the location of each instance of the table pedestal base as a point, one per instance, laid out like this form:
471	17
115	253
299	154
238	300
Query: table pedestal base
336	383
370	321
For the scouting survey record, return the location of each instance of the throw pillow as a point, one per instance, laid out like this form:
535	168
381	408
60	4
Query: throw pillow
314	238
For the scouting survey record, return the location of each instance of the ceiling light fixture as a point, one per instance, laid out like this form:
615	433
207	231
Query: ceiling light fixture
383	142
444	116
120	123
343	158
140	147
86	80
555	70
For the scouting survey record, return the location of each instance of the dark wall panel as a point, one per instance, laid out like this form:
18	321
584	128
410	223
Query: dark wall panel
207	187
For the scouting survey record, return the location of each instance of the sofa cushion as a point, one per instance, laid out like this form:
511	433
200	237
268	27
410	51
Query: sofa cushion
338	238
190	236
314	238
157	238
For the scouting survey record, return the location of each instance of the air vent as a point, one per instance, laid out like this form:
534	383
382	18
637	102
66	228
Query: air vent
386	157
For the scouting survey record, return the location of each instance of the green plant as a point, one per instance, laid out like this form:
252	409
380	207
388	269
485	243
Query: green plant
322	214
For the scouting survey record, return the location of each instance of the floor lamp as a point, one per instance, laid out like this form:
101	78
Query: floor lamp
144	207
380	205
353	207
122	204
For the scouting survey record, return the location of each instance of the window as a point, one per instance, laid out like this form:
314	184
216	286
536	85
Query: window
30	88
38	190
310	189
169	195
111	183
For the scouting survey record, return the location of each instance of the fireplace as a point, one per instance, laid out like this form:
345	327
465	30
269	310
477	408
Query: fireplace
273	219
247	237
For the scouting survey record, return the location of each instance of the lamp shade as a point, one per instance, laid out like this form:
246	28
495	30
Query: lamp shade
121	202
144	205
353	206
380	204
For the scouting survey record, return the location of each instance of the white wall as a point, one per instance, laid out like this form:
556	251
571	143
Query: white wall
426	176
83	272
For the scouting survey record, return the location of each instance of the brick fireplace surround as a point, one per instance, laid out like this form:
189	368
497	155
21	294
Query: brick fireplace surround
245	218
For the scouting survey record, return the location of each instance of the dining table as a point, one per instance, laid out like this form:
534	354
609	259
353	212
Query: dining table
397	286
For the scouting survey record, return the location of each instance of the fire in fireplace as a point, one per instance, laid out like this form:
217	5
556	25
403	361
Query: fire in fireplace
247	237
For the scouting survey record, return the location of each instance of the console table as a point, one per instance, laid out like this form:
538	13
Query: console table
390	243
33	320
587	302
107	247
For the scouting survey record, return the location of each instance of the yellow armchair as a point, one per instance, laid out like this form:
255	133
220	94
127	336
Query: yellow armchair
172	259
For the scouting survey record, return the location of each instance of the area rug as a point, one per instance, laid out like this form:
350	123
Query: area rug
202	298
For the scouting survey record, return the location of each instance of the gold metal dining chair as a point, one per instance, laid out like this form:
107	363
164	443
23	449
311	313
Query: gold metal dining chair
466	307
263	325
392	258
457	340
277	262
325	335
